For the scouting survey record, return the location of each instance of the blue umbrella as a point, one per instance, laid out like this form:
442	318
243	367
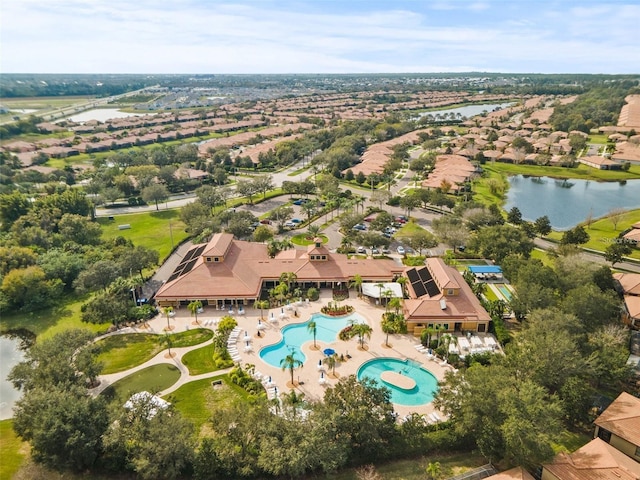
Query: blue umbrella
329	351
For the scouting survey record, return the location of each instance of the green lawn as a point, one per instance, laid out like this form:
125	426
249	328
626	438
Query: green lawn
581	171
50	321
12	450
542	256
121	352
194	399
570	441
200	360
155	230
414	469
304	239
602	233
152	379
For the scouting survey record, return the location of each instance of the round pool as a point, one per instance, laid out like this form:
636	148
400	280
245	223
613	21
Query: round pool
293	336
419	388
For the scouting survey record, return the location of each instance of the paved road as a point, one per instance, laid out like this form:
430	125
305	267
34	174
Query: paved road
592	257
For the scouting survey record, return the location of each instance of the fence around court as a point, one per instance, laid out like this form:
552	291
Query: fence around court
477	473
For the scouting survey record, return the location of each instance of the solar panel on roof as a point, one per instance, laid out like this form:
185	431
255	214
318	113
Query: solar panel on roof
190	254
413	275
173	276
199	251
425	275
418	287
432	288
189	266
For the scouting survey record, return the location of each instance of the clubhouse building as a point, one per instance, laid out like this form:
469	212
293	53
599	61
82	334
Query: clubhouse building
228	272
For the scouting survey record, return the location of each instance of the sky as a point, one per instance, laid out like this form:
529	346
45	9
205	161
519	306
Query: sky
319	36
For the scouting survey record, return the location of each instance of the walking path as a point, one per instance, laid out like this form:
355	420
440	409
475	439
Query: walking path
160	358
307	379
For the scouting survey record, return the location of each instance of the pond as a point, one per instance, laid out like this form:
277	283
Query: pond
468	111
569	202
10	355
101	114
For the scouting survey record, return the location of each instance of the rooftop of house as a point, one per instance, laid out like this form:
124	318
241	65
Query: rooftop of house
517	473
596	460
630	282
622	418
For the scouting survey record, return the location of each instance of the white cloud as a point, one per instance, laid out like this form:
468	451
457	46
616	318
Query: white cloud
254	37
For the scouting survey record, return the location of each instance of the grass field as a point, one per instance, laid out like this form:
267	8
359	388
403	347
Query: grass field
195	399
602	233
200	360
542	256
12	450
304	239
50	321
121	352
580	172
152	379
159	231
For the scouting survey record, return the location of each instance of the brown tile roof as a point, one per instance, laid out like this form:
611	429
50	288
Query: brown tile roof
597	460
622	418
463	306
517	473
630	282
247	264
218	245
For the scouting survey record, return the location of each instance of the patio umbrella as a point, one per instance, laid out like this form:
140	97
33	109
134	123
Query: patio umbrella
329	351
320	366
246	334
261	326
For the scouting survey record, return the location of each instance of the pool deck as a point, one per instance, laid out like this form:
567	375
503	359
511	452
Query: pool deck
307	378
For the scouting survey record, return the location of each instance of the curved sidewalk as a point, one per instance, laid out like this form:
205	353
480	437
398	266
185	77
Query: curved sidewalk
160	358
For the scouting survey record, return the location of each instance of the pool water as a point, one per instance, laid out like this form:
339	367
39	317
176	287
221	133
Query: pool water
504	291
293	336
426	384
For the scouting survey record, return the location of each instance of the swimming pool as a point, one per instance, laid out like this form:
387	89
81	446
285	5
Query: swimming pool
504	291
293	336
426	385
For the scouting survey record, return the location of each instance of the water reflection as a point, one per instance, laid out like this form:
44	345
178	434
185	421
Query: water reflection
569	202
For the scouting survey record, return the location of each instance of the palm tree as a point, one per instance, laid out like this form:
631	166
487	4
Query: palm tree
294	400
429	331
388	326
403	283
194	307
387	294
434	470
357	284
330	362
167	341
395	303
290	362
313	328
168	311
380	287
261	304
362	330
448	339
288	278
313	230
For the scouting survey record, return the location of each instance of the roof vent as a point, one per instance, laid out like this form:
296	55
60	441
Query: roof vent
443	304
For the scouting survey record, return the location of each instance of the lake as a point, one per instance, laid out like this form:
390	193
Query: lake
101	114
569	202
10	355
468	110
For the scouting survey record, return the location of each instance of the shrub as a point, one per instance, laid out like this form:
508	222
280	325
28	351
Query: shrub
313	294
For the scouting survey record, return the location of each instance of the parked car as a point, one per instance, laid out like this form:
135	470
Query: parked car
290	224
386	235
296	220
255	225
375	251
360	226
362	250
400	250
300	201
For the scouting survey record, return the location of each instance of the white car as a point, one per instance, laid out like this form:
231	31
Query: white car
400	250
362	250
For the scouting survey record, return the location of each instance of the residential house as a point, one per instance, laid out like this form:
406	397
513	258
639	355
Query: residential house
619	426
